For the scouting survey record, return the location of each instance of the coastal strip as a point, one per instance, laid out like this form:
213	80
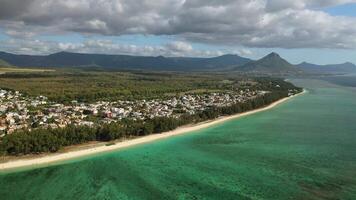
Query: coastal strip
33	162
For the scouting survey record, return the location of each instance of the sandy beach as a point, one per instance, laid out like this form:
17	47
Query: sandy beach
40	161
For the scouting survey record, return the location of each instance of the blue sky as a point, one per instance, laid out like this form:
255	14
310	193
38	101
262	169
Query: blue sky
312	31
343	10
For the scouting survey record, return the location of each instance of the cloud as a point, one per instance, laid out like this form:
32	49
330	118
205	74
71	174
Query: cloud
244	52
13	8
249	23
277	5
172	49
179	46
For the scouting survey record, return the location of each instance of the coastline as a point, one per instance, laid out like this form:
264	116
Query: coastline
48	159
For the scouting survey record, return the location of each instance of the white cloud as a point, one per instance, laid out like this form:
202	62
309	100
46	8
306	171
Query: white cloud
179	46
249	23
40	47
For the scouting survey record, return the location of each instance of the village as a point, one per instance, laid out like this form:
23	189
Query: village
18	111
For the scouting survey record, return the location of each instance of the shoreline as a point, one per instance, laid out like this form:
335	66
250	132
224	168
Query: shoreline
48	159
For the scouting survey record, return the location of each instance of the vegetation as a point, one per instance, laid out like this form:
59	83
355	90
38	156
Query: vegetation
67	85
40	140
4	63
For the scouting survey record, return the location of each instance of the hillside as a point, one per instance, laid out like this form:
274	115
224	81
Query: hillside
344	68
4	64
160	63
270	64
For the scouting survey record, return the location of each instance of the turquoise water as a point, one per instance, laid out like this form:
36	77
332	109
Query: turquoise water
302	149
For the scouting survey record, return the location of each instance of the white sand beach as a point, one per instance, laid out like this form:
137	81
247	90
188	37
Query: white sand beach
33	162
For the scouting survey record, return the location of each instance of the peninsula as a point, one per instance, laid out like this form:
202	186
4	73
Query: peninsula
47	160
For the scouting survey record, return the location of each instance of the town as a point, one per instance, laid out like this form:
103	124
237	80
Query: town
21	112
18	111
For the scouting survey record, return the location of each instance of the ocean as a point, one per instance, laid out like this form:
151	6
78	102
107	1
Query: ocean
302	149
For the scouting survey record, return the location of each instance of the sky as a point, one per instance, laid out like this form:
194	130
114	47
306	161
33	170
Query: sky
316	31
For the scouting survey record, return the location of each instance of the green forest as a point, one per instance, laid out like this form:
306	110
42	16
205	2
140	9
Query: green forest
90	86
65	85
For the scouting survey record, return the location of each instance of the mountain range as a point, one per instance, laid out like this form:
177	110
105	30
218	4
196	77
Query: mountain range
344	68
66	59
270	64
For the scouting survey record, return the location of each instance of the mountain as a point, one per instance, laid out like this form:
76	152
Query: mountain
270	64
225	62
4	64
66	59
344	68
